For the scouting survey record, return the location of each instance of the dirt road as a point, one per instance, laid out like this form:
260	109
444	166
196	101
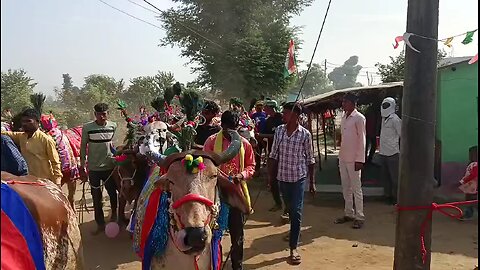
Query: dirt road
325	245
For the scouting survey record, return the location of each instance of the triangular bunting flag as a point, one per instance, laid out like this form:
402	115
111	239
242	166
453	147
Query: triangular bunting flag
406	38
448	42
469	37
473	60
397	41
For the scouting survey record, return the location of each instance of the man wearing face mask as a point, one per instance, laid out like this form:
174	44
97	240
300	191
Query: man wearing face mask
97	139
390	148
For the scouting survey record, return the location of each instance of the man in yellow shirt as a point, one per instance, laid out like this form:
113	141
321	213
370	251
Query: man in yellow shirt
38	149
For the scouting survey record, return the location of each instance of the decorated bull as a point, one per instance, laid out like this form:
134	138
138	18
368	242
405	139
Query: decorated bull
39	227
179	216
179	219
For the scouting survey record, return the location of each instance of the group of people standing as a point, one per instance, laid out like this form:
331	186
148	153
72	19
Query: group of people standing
352	156
290	160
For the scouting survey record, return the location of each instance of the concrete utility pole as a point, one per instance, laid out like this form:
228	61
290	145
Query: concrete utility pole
418	136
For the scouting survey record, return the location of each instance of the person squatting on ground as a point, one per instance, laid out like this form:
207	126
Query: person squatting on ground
240	168
97	143
292	163
38	148
469	184
351	161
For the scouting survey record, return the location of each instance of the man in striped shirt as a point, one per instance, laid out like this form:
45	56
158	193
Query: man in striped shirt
292	162
97	142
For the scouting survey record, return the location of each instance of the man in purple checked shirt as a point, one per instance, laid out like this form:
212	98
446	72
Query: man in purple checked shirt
292	163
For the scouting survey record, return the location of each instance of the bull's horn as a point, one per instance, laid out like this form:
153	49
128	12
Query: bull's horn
233	149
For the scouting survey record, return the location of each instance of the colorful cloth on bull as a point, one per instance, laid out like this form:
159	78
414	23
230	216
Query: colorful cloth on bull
70	165
143	200
12	160
17	224
74	136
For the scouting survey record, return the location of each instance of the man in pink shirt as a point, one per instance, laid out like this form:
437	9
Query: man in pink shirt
351	160
234	170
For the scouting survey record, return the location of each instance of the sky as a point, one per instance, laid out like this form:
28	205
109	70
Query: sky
50	37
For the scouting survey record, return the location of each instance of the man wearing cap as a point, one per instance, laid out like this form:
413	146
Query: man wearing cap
274	119
351	160
390	148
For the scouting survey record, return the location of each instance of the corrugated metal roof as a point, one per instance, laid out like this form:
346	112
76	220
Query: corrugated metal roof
449	61
316	98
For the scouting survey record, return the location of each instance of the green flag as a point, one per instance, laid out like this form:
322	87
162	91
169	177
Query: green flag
469	37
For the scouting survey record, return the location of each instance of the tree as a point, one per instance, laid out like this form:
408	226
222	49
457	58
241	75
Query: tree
16	88
238	46
100	88
316	83
345	76
395	70
144	89
69	94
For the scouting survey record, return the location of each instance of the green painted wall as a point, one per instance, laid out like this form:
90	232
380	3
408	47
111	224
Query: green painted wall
457	111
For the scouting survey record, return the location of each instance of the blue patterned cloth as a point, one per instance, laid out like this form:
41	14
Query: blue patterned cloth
14	207
12	161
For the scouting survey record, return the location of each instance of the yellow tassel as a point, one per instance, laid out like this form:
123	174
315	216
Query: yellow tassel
246	193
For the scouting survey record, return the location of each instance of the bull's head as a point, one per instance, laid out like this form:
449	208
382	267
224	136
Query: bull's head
155	139
195	196
132	170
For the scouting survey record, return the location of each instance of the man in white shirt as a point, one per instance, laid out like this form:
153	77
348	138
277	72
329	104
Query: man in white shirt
351	160
390	148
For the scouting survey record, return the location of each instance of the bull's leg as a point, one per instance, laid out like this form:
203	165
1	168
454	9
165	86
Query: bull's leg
72	187
111	188
121	211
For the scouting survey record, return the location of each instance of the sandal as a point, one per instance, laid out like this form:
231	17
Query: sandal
342	220
357	224
294	258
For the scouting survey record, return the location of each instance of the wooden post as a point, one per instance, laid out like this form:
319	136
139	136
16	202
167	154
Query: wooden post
418	136
334	116
318	144
324	135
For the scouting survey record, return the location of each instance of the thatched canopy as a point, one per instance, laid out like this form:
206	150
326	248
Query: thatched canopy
366	94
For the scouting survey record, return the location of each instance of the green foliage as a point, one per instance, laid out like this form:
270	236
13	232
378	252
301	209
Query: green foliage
316	83
238	46
345	76
16	88
143	89
395	70
69	94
